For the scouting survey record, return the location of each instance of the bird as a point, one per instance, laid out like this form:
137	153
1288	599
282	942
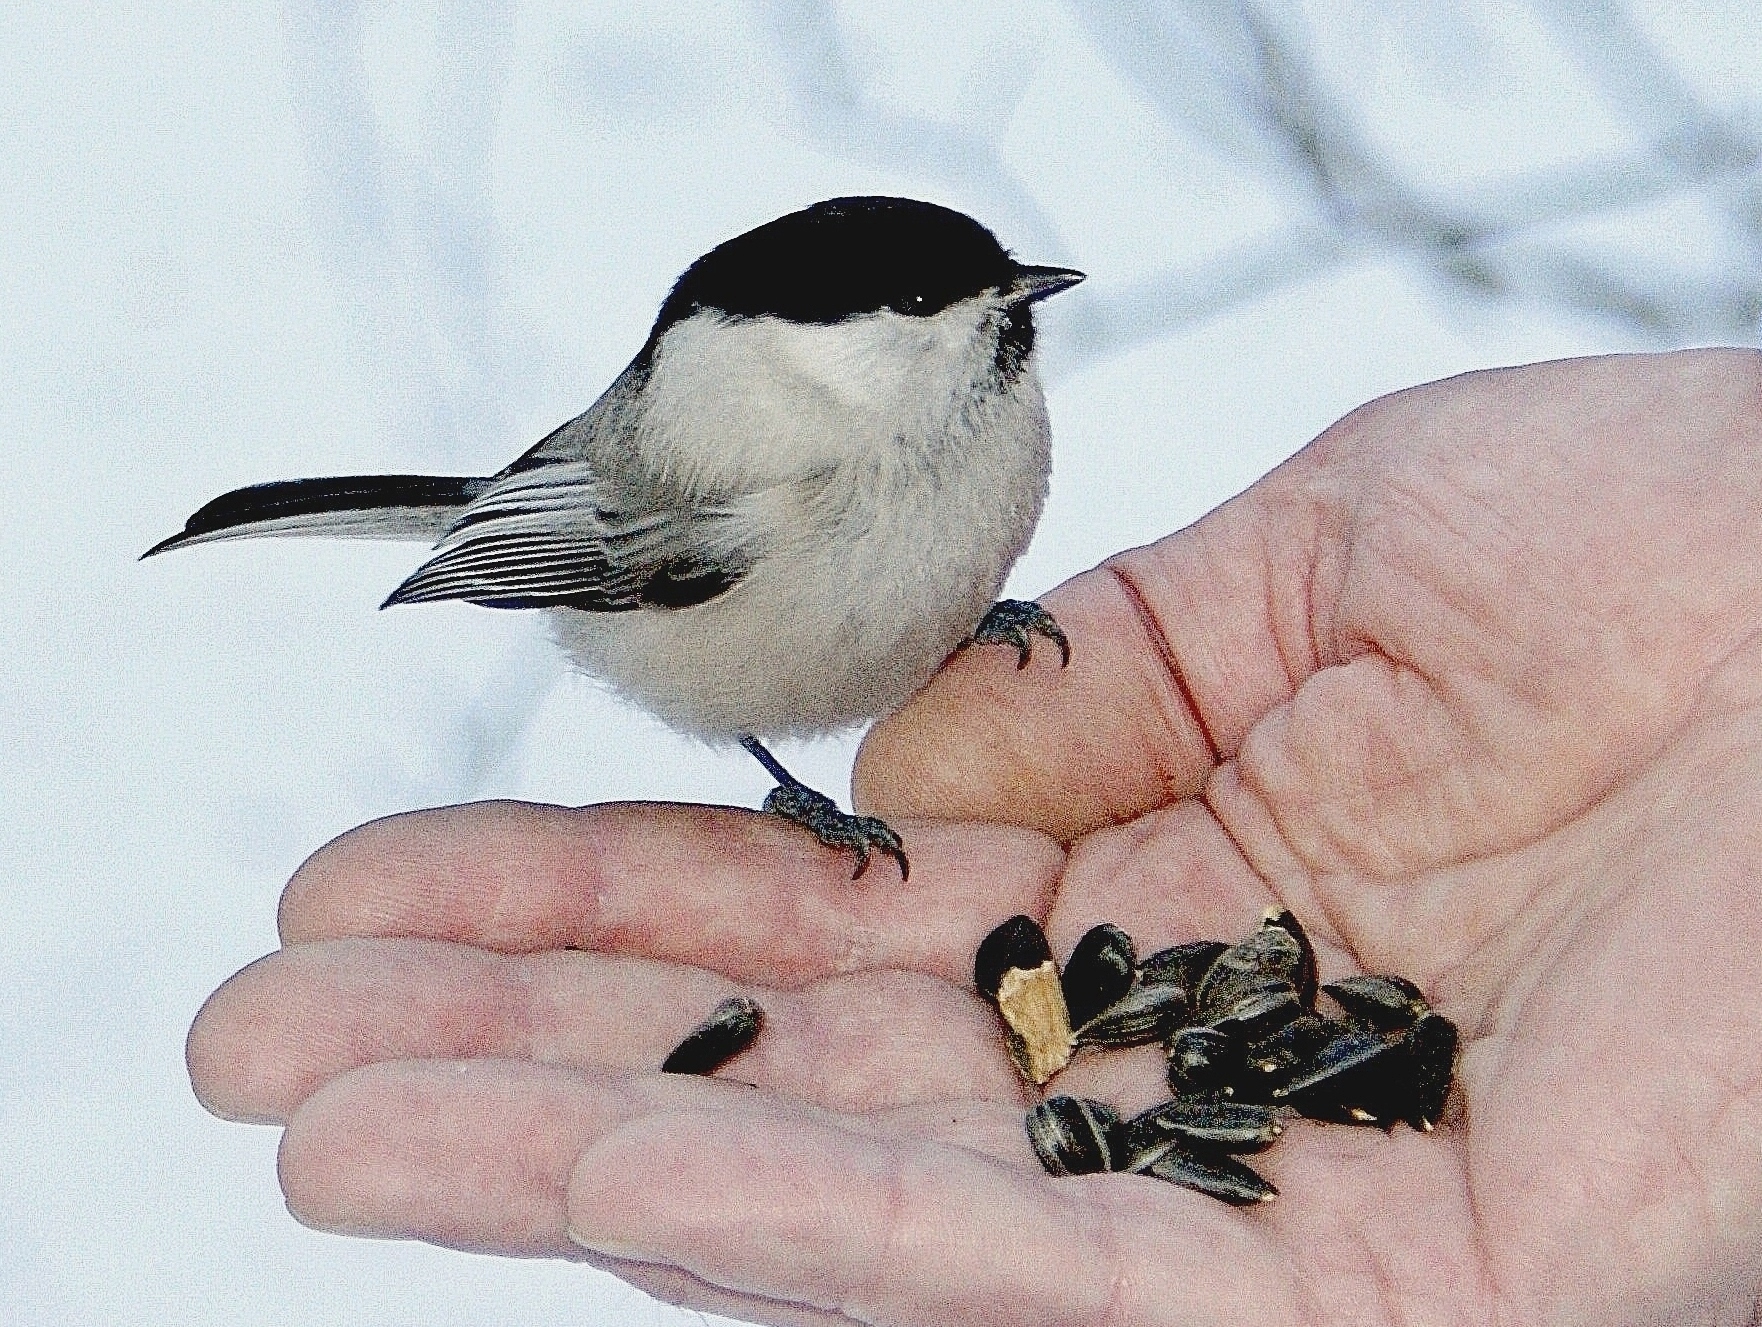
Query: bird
802	495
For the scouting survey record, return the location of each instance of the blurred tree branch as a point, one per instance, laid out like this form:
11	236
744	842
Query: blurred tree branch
1640	85
833	106
1241	76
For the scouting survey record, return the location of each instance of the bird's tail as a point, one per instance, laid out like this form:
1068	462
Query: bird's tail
353	507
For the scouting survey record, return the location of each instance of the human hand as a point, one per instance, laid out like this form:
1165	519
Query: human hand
1470	685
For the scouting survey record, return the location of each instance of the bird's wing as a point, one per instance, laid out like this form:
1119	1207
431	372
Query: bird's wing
553	536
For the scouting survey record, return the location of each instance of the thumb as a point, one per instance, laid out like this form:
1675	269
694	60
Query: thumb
1176	650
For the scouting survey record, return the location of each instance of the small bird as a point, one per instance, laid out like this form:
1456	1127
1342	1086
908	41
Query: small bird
802	495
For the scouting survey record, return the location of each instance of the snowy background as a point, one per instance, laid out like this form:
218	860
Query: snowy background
250	242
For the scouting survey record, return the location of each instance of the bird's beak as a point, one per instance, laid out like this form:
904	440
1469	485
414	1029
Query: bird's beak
1037	283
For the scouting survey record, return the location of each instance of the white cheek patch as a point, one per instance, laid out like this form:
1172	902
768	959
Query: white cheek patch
876	361
783	399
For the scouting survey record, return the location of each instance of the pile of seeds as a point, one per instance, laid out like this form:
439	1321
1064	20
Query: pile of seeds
1245	1043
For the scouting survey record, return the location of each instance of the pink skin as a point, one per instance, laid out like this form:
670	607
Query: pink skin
1473	685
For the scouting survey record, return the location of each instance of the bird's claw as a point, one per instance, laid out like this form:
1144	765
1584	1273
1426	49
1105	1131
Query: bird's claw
1015	622
820	816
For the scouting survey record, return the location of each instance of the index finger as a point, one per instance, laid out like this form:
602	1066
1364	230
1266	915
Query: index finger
738	892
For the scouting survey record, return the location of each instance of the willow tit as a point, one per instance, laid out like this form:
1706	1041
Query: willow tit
800	497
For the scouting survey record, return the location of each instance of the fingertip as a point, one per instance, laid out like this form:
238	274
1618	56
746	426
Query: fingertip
325	1163
231	1073
375	878
599	1197
1175	650
751	1204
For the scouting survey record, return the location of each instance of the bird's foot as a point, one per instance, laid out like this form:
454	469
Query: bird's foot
1015	622
820	816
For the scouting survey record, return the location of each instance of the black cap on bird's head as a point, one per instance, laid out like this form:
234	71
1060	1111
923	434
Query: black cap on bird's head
850	256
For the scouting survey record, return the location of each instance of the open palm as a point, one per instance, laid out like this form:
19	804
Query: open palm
1472	685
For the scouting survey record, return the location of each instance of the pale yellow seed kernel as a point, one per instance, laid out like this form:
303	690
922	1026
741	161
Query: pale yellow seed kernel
1033	1004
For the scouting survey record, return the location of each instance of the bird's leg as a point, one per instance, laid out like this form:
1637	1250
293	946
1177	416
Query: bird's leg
819	815
1010	622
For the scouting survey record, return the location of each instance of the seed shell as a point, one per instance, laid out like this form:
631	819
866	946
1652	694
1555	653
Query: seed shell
1229	1126
1303	975
1073	1135
1203	1060
1431	1051
1253	985
1183	965
1254	1007
1275	1061
1099	972
1221	1177
730	1029
1387	1004
1033	1005
1143	1015
1244	1042
1357	1078
1016	943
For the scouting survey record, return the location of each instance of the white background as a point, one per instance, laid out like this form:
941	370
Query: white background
243	242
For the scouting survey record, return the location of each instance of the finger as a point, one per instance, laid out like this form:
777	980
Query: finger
279	1030
745	894
892	1231
1175	650
475	1154
889	1232
470	1154
927	1214
380	1155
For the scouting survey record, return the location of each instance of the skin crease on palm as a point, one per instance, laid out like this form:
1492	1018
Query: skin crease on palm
1473	684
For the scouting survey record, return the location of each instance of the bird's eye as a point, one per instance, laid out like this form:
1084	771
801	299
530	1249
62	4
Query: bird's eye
911	304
